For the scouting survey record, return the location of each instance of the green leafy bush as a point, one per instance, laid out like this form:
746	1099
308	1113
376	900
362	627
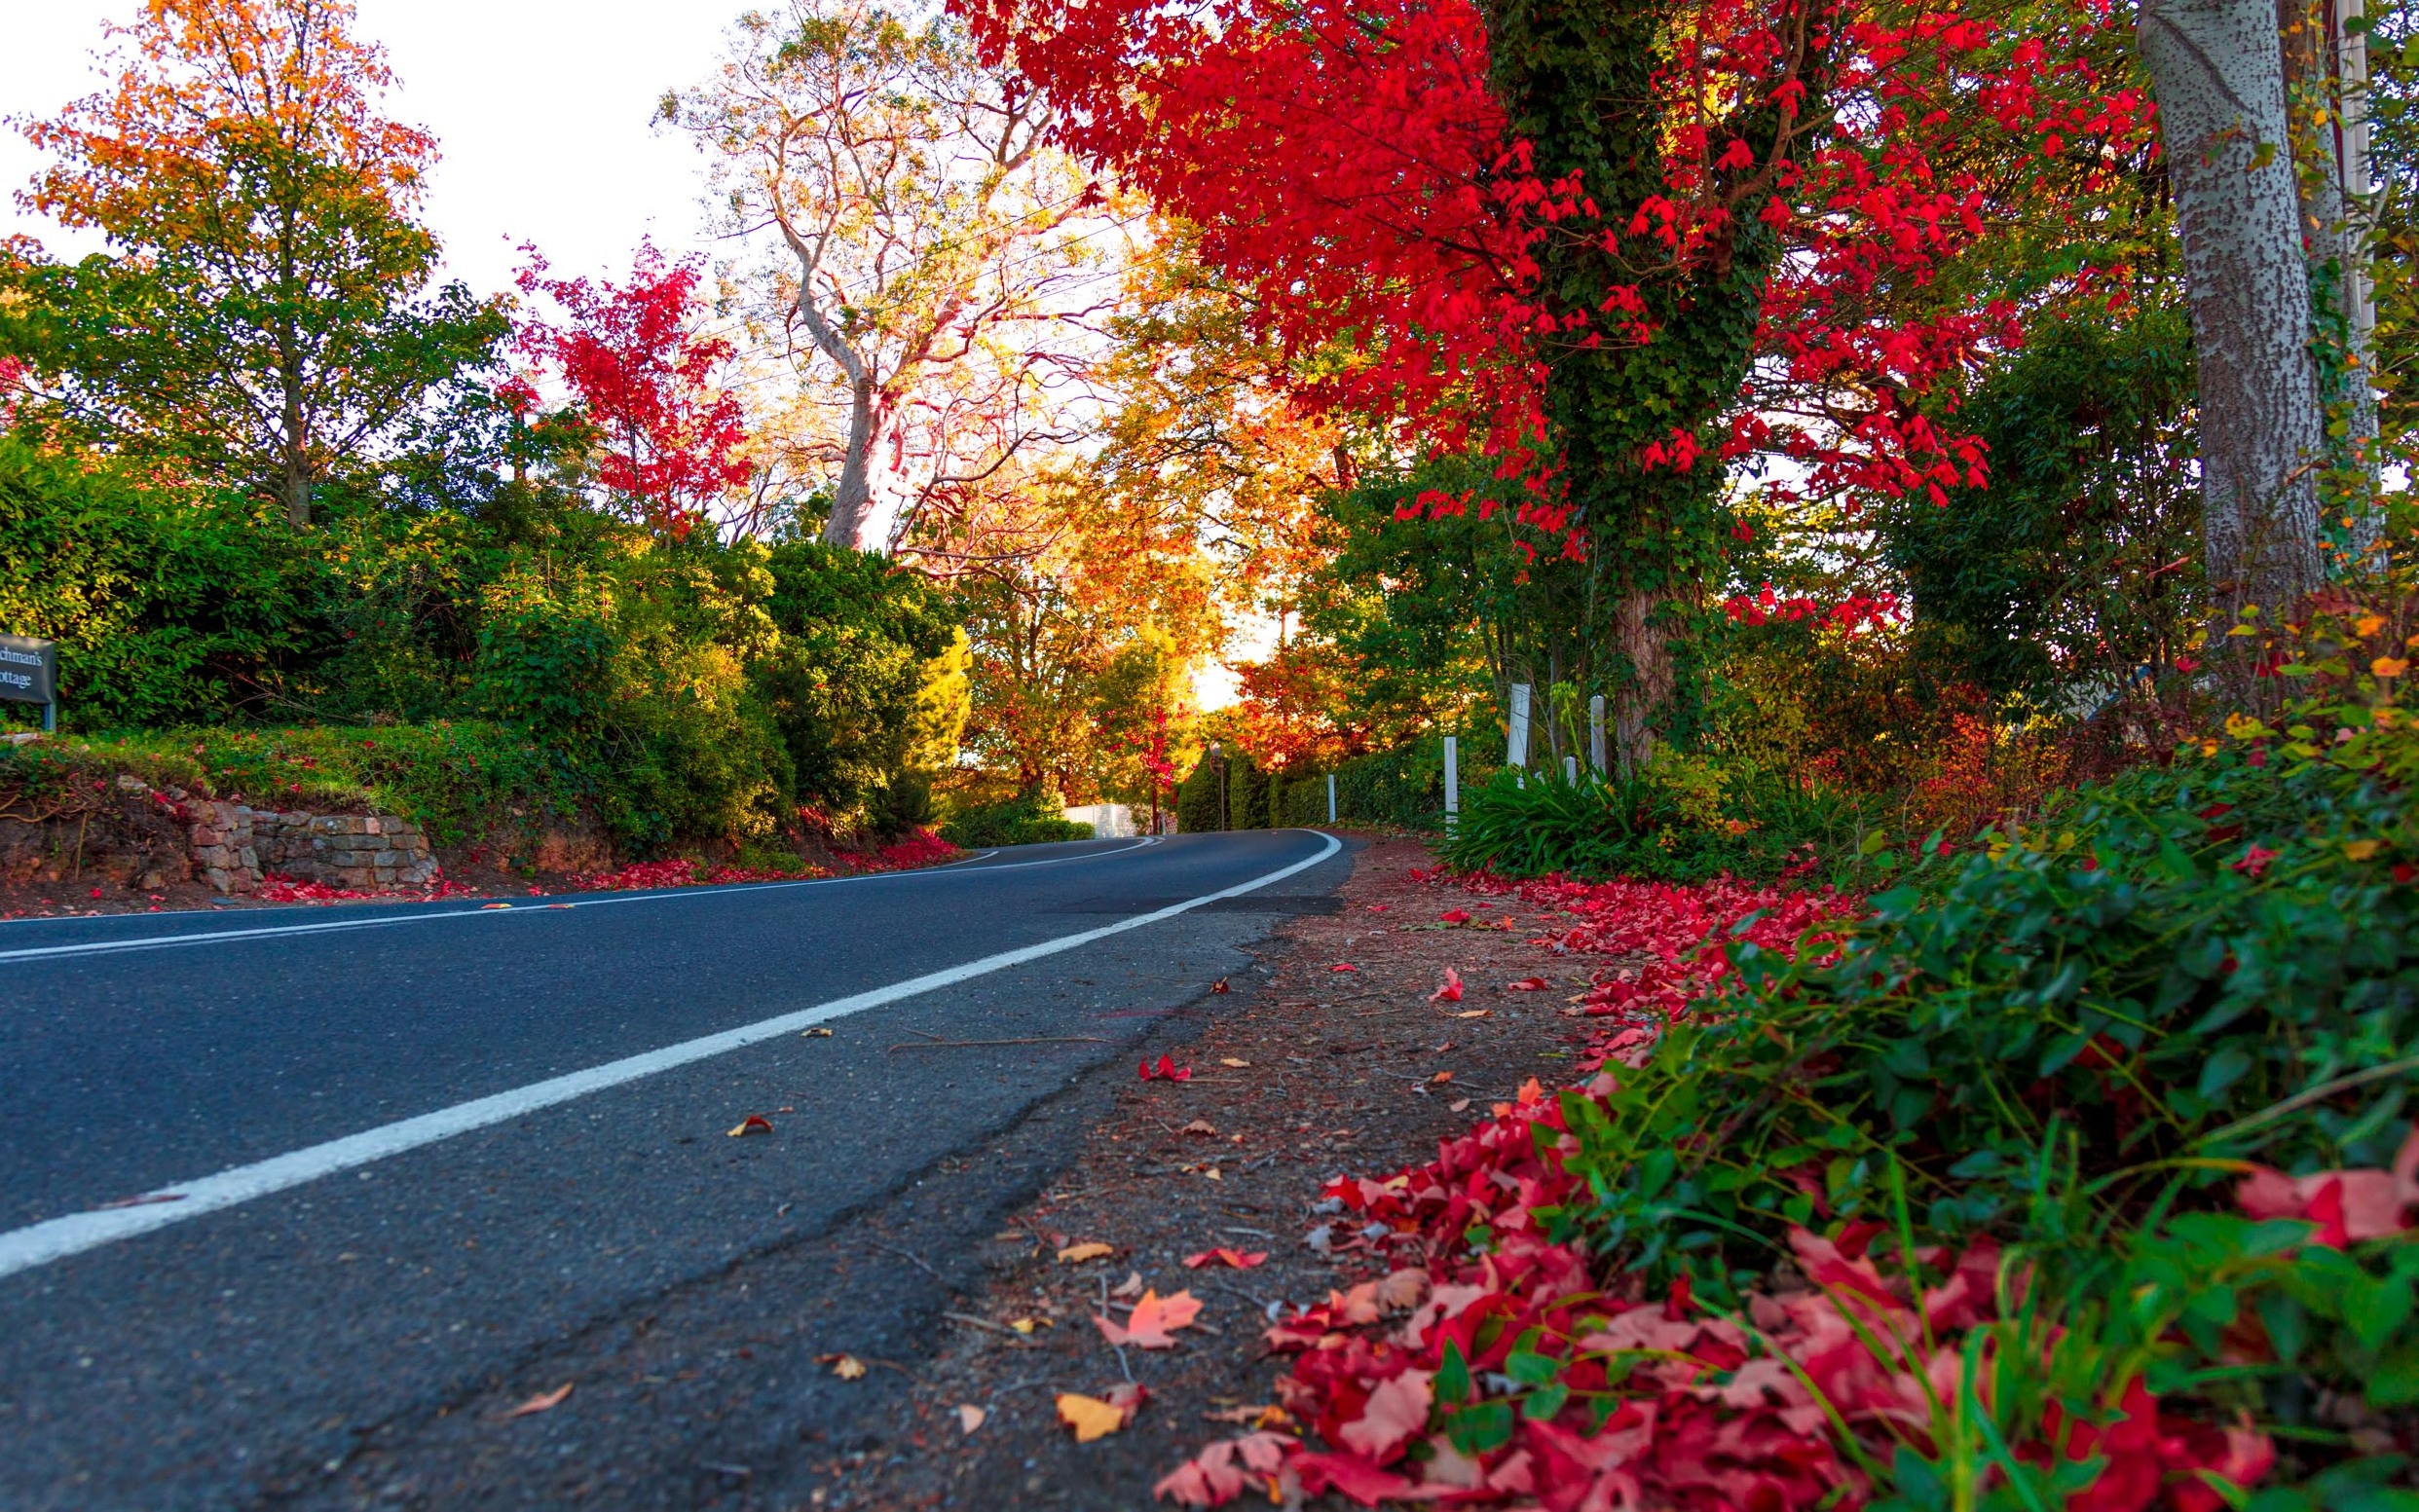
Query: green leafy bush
1038	818
1237	800
1402	788
168	605
2075	1041
1685	820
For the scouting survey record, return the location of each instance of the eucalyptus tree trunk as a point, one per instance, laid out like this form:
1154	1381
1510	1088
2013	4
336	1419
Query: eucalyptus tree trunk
852	520
2218	71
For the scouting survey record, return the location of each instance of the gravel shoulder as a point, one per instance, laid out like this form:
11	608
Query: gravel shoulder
1324	1072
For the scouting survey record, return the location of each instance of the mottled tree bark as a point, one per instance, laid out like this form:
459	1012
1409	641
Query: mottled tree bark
2218	71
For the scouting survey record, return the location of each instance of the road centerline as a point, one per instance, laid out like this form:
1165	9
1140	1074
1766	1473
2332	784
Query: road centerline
56	1238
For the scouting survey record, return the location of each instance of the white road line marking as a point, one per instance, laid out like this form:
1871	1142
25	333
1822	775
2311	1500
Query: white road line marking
56	1238
521	907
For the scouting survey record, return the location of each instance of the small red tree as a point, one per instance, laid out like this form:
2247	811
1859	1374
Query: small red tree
631	354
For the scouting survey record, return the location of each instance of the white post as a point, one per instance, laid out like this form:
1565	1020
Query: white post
1595	733
1517	744
1570	770
1331	798
1453	780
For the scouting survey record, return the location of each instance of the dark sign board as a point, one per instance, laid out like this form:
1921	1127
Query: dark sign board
28	670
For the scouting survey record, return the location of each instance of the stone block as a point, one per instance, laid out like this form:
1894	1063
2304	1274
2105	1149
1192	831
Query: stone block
249	857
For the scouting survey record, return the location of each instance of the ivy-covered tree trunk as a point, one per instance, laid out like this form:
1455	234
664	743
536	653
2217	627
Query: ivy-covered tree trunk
1576	79
2220	74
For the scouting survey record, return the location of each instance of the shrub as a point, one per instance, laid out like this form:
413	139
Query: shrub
168	605
1202	806
1685	820
1036	818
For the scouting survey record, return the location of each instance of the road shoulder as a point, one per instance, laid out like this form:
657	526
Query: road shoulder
1327	1070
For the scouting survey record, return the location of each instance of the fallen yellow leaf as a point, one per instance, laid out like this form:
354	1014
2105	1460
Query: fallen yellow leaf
543	1401
848	1367
1475	1013
1092	1250
1089	1416
1229	1060
1026	1325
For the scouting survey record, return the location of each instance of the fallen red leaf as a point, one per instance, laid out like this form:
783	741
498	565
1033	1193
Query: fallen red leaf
1451	991
1454	917
1343	966
1154	1319
1167	1071
1526	984
1239	1259
753	1124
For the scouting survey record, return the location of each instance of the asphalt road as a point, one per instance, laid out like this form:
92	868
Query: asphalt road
291	1200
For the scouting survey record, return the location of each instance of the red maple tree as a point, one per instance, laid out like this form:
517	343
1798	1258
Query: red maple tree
1350	166
673	439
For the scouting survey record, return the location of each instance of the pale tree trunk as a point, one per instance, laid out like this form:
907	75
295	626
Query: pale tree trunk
853	522
2218	71
2325	76
1647	646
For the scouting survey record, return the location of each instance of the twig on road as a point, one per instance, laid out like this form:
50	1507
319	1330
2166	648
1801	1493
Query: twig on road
914	1260
1001	1329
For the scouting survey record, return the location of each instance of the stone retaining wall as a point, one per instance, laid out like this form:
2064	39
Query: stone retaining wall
234	847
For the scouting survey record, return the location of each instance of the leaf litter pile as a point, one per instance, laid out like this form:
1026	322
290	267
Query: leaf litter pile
1124	1327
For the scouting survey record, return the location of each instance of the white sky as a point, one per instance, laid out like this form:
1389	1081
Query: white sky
541	107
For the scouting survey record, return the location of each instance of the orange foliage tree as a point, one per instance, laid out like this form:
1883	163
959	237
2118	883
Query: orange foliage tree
267	313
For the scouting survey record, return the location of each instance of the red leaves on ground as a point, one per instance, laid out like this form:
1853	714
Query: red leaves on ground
1527	985
1212	1477
1451	991
1167	1071
1343	966
1154	1319
924	848
2347	1206
1668	1407
1236	1258
278	888
1454	917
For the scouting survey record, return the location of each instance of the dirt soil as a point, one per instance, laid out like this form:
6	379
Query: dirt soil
1327	1072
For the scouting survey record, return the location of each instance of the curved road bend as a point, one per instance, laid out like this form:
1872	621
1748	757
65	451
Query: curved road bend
281	1190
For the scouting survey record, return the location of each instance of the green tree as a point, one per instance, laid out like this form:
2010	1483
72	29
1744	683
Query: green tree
266	313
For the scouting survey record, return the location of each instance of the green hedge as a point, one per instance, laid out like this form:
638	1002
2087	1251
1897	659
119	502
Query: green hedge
1028	819
1402	788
